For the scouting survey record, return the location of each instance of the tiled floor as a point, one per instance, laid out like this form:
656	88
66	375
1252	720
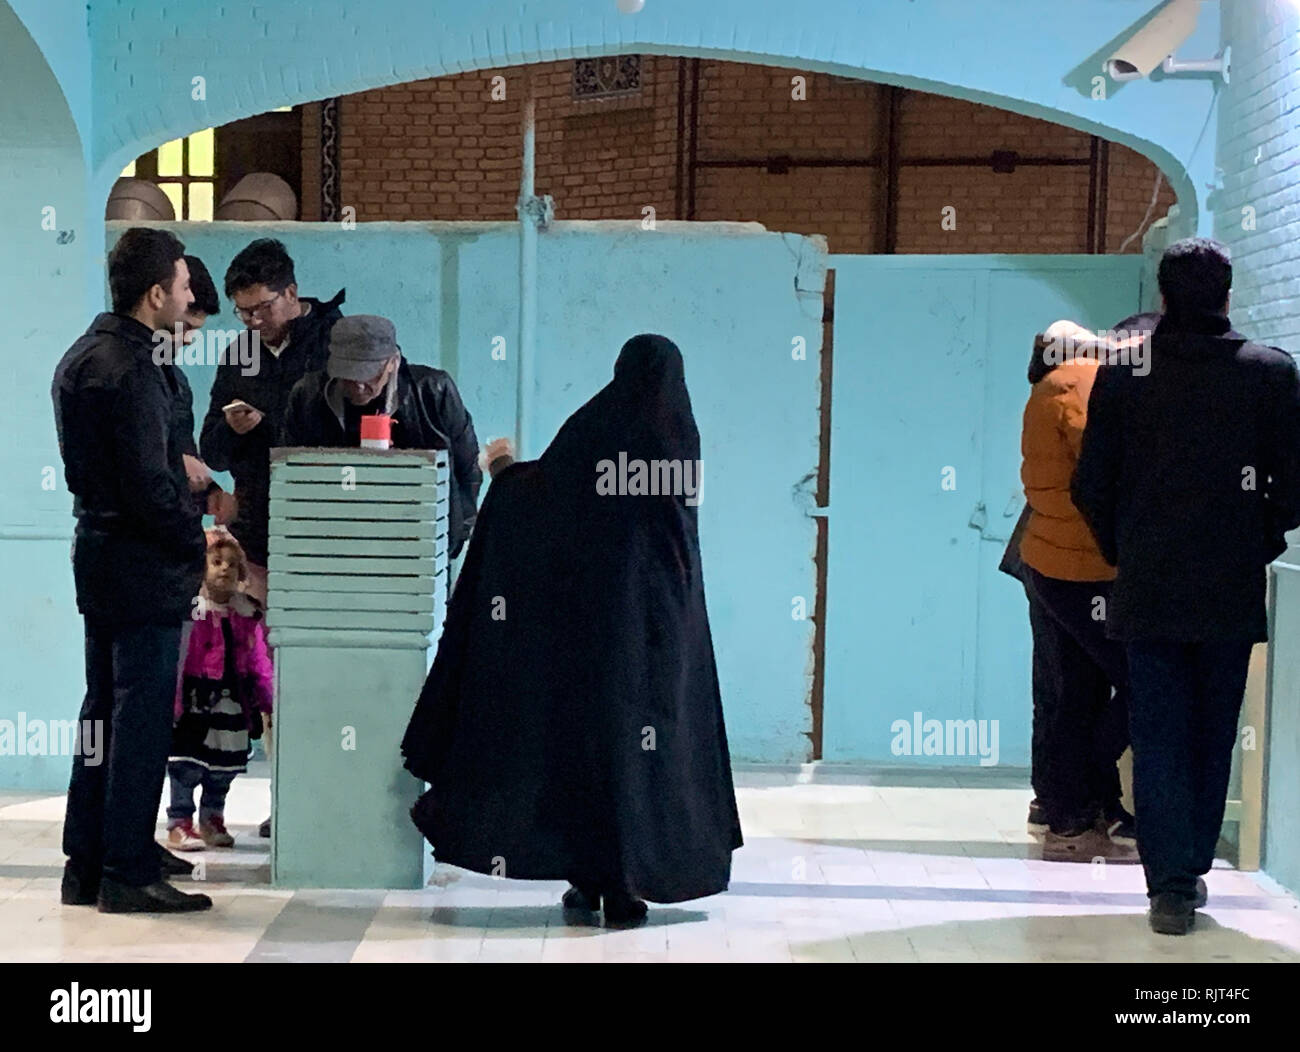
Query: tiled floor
829	872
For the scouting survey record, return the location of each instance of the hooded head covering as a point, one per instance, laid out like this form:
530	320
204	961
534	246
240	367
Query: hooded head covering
650	379
644	412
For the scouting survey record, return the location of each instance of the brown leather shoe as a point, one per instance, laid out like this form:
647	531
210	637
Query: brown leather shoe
1086	846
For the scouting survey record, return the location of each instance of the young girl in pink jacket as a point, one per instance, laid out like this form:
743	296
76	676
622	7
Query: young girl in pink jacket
226	685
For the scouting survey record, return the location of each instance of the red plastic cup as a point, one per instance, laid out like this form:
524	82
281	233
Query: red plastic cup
376	432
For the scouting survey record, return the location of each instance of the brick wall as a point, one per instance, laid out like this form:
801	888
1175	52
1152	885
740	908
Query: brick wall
1259	154
445	149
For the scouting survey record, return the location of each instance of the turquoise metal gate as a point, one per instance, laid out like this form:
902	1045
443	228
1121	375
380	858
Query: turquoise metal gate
928	390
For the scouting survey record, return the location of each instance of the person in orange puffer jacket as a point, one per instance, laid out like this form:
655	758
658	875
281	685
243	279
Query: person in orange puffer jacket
1085	727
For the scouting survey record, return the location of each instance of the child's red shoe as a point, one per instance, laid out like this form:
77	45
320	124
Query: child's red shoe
181	837
214	834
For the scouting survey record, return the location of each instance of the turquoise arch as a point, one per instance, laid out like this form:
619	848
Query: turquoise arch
1036	59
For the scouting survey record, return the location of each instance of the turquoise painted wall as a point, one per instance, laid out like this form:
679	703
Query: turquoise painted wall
1257	213
60	29
43	295
732	296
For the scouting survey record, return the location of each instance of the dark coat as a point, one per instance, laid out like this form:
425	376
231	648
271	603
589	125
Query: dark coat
247	457
1189	478
571	726
427	414
123	423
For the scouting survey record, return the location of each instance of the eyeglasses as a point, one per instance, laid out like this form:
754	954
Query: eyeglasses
248	313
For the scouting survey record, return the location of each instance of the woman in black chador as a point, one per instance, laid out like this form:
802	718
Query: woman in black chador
571	726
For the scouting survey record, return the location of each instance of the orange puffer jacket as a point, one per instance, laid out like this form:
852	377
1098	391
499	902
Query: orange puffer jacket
1057	542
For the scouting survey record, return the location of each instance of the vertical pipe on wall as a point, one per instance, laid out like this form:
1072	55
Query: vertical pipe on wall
892	167
1103	194
695	138
527	277
1094	180
679	211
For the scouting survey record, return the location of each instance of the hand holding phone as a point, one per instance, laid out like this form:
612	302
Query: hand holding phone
241	416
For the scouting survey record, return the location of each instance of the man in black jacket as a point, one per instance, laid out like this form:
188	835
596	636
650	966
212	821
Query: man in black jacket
1189	477
138	559
366	374
288	336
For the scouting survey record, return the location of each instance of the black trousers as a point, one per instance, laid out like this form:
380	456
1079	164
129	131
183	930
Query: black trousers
1186	704
1081	726
113	805
1043	679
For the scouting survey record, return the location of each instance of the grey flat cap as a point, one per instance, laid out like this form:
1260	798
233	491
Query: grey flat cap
359	346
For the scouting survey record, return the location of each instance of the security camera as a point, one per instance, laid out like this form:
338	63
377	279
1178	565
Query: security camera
1155	43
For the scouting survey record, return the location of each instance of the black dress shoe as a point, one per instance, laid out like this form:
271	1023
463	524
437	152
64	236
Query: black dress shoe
1171	914
77	889
1118	824
115	897
264	830
623	910
1202	895
172	866
581	900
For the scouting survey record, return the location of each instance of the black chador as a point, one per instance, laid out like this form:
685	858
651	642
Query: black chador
571	726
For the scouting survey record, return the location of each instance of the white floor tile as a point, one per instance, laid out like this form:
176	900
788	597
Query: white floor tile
829	872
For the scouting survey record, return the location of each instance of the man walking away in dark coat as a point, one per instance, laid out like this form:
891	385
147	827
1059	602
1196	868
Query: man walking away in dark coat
1189	477
367	375
287	337
137	562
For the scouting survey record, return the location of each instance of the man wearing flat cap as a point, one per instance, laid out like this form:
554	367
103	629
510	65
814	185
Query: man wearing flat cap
366	375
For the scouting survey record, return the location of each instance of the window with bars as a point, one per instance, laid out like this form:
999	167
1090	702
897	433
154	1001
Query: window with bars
185	170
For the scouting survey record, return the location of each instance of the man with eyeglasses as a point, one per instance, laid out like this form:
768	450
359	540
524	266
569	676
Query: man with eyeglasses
289	335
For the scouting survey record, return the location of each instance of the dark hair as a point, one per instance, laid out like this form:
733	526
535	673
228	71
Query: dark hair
206	300
1195	276
1038	364
141	259
1144	322
264	262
